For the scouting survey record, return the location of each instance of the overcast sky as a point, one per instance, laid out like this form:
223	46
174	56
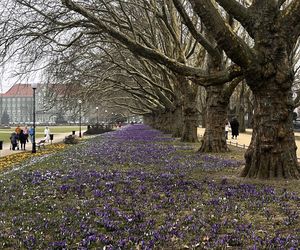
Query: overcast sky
8	78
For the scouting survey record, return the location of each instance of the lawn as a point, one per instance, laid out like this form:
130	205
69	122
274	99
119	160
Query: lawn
5	133
136	188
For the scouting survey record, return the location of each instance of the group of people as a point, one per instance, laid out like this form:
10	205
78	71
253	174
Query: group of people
21	136
233	125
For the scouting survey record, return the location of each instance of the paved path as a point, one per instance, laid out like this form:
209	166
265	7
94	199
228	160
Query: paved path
245	138
58	137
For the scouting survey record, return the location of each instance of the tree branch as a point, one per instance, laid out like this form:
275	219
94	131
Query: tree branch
290	19
239	12
235	48
296	102
197	36
146	52
280	2
228	90
219	77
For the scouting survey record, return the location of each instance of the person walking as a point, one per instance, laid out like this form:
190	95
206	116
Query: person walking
26	132
227	128
234	124
47	134
18	130
23	139
31	133
13	140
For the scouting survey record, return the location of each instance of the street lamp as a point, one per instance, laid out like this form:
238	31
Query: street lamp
105	116
112	117
33	86
97	109
80	102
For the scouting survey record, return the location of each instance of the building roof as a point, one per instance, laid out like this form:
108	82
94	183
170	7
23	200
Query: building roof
20	90
25	90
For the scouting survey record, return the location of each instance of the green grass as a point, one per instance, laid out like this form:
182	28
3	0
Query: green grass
60	129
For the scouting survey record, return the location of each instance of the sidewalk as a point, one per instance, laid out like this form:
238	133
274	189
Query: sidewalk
245	138
58	137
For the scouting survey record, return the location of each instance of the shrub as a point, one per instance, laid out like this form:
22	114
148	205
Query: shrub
70	139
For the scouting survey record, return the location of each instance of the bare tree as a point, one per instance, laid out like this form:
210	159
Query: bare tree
112	75
268	72
151	30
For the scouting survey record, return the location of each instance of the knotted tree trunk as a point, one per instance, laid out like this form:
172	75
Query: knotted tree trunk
189	112
214	136
177	122
272	152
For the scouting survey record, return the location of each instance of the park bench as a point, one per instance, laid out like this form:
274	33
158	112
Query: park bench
41	143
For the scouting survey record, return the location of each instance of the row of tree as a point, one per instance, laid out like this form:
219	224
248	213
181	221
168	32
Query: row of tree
156	56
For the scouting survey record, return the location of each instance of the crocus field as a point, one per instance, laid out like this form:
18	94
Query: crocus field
136	188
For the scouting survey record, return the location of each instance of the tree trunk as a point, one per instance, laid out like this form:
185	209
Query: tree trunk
203	118
214	136
217	102
188	91
190	117
165	122
249	114
241	119
201	106
272	152
149	120
177	122
240	109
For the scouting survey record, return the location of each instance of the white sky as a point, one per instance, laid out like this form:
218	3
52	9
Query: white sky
8	78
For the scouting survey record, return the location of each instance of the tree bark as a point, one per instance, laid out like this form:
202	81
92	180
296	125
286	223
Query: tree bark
189	133
241	120
190	115
203	118
217	100
268	72
272	152
249	112
177	122
201	105
240	109
214	136
188	91
169	122
164	122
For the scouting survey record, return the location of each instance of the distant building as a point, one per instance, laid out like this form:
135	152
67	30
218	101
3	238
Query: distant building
17	103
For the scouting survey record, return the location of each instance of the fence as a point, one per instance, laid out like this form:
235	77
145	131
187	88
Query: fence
235	144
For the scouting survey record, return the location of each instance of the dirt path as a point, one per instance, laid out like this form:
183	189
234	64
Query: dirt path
245	138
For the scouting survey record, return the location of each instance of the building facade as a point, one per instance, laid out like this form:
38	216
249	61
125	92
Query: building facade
17	102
